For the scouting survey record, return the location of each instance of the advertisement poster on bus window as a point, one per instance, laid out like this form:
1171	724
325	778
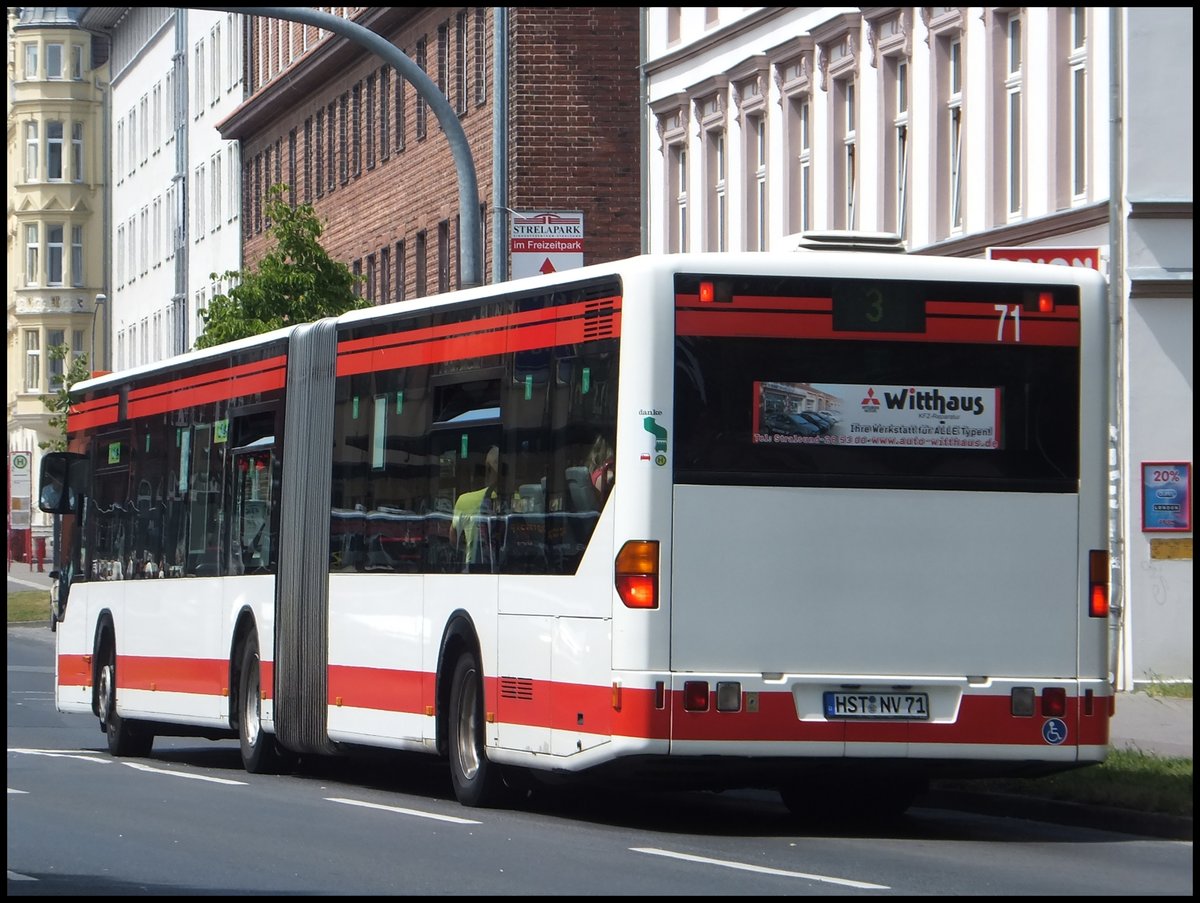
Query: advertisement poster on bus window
875	414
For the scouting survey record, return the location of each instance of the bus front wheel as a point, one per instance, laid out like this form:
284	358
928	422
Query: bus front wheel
125	738
477	781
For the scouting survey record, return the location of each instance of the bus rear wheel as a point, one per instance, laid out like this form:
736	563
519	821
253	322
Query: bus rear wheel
477	781
125	738
261	752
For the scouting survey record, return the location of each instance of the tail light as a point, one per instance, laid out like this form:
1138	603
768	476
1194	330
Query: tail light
637	573
1054	702
1098	583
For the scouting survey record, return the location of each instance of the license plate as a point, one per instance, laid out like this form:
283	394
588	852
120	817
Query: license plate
895	706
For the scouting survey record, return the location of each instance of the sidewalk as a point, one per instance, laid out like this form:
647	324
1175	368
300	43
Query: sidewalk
28	576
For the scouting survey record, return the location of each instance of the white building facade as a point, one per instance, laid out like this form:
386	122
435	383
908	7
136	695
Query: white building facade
964	129
175	184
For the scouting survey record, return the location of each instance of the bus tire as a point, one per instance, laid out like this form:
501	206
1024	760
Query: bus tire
125	738
261	752
477	781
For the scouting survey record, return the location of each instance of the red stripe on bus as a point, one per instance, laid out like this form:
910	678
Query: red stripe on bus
586	708
977	329
216	385
383	689
96	412
523	331
201	676
233	387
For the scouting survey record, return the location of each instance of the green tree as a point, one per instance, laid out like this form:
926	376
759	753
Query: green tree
61	401
296	282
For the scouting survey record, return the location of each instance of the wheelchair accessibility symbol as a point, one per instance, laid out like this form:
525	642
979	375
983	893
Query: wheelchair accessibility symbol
1054	731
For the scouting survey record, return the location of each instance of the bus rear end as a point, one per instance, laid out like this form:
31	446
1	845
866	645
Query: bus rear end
887	556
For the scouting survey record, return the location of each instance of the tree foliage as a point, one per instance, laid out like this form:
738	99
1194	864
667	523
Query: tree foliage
296	282
61	400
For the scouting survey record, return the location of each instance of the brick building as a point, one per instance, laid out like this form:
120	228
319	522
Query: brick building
548	99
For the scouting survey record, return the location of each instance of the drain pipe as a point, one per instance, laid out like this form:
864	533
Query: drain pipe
1120	652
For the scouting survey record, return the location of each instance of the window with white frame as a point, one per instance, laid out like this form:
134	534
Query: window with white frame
132	230
847	137
751	98
1014	144
954	133
1077	63
55	338
710	109
120	255
144	135
32	244
198	97
54	150
54	61
77	151
891	37
949	133
31	61
33	361
198	219
77	62
898	168
145	237
480	56
793	71
54	254
217	190
77	255
32	150
214	60
133	132
156	94
671	115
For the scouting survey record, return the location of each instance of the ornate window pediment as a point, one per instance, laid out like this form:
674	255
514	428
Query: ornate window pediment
837	47
750	84
889	32
793	66
671	117
710	99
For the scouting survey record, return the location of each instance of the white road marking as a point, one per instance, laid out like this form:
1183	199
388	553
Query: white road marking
402	811
82	754
183	774
687	857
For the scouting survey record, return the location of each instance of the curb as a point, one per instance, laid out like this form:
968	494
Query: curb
1059	812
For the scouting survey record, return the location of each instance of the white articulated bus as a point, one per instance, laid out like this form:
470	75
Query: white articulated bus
831	522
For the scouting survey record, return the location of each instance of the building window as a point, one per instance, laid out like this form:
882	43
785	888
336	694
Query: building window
343	137
331	146
372	277
421	263
31	151
54	61
31	61
401	272
385	274
77	255
443	272
751	98
954	115
54	150
55	339
76	62
385	110
460	63
33	361
401	99
1012	86
32	274
308	159
421	105
291	168
356	268
710	110
678	156
77	151
480	56
1077	63
847	177
443	59
356	127
54	254
370	124
319	152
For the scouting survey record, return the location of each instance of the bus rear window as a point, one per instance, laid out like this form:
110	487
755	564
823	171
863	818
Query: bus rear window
777	387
